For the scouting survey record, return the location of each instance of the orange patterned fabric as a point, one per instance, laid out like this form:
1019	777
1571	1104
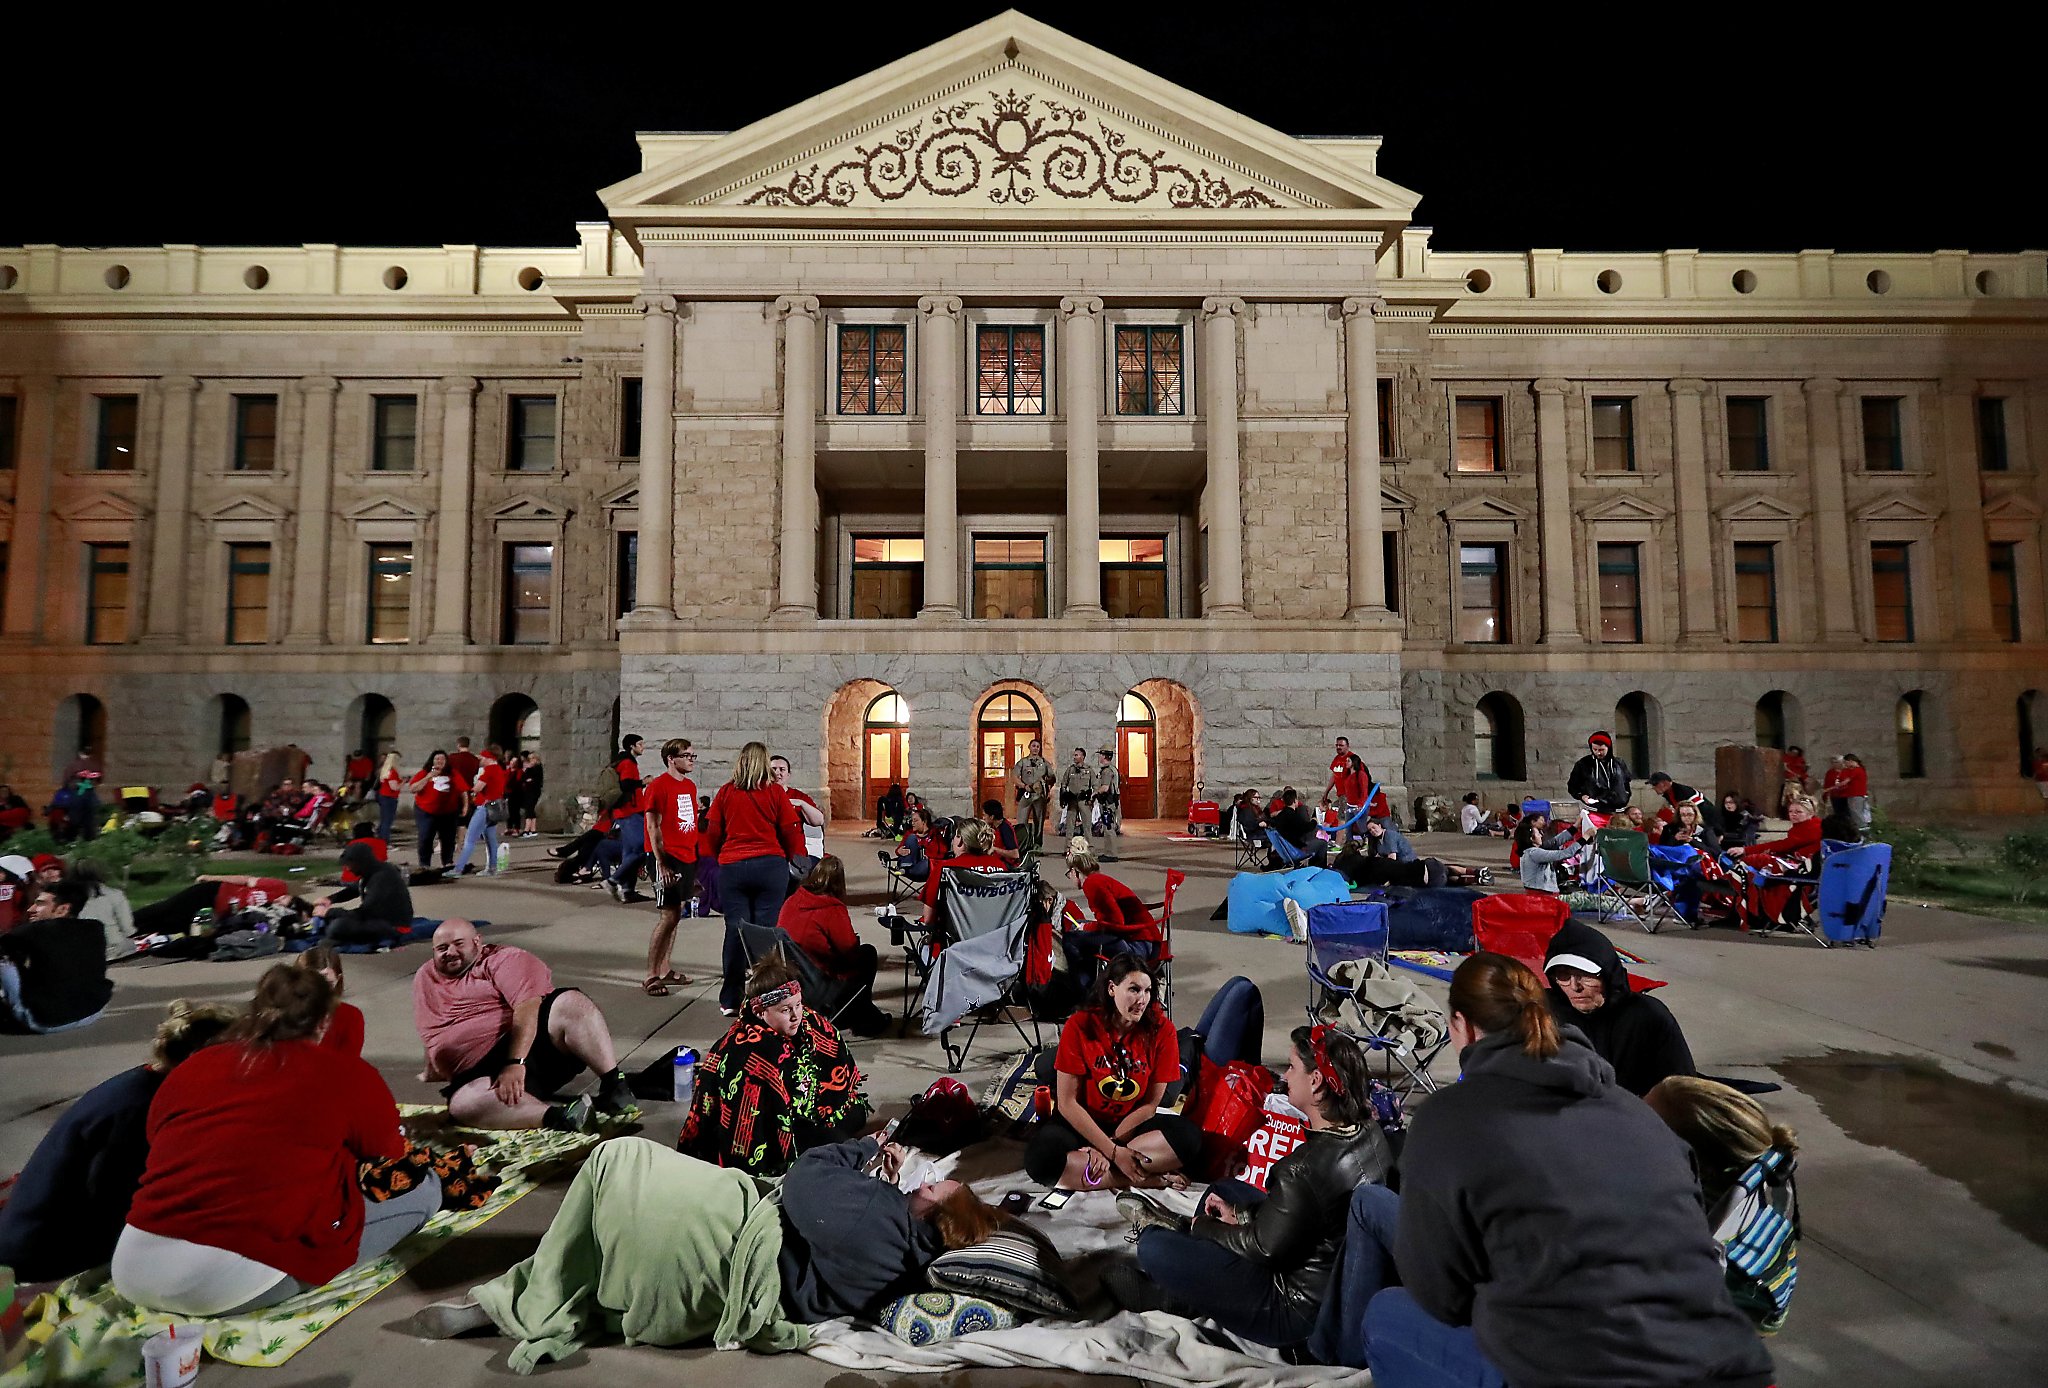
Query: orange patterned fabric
763	1098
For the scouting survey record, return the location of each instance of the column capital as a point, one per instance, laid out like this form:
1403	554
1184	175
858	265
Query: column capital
1223	306
1686	385
1080	306
939	306
1551	385
1372	304
662	305
1821	385
458	385
177	385
319	385
795	306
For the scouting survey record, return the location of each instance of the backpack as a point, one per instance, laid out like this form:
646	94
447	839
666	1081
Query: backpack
1757	1225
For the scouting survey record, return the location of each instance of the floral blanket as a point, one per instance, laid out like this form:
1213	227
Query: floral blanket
85	1332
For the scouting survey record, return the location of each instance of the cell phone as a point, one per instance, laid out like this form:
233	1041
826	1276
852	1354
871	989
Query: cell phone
1055	1199
1016	1202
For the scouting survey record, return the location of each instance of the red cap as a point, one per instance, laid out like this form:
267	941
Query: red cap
46	860
1600	740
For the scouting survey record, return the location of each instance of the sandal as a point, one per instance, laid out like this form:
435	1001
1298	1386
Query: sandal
654	988
675	976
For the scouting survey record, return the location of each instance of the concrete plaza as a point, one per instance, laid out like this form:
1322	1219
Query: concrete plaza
1915	1076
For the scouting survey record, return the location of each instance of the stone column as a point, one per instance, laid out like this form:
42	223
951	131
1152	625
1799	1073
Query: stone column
451	547
1554	517
310	549
1081	366
1225	486
1833	569
164	603
939	341
1362	458
1698	620
654	594
34	461
1963	481
799	541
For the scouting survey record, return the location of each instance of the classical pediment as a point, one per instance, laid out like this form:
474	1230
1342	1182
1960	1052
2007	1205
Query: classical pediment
1759	507
529	508
1624	508
1485	508
245	508
1011	118
383	508
101	508
1394	499
1896	508
626	498
2011	506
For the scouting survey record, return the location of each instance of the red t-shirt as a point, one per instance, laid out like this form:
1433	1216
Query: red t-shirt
746	824
459	1019
1350	783
489	782
440	794
1795	768
671	800
391	784
987	862
464	764
358	769
256	1153
377	847
238	895
345	1030
1117	908
1147	1054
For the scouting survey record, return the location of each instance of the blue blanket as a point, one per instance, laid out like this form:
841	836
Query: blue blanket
1434	918
422	930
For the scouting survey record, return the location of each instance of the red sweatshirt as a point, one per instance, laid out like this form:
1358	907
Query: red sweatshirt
1117	908
345	1030
759	823
1799	842
256	1153
821	927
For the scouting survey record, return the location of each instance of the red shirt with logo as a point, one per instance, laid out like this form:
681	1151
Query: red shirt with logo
490	782
1349	778
239	895
1109	1064
670	801
439	793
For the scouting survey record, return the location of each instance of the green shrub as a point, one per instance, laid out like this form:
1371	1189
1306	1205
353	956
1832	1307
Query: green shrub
1911	847
2024	854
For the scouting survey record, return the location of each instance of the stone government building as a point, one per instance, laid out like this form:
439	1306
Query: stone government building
1011	391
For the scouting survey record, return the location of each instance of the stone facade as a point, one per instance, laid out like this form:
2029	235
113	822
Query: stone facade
1013	181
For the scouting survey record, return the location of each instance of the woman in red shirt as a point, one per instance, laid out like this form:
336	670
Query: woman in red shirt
437	792
250	1194
1765	904
390	786
817	922
754	831
1116	1057
1122	923
973	847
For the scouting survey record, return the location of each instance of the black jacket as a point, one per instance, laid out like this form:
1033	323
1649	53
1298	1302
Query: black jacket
1633	1032
1605	779
383	889
63	965
850	1244
1559	1218
1297	826
1297	1232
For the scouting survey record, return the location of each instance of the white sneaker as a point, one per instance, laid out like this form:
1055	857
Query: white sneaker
1297	919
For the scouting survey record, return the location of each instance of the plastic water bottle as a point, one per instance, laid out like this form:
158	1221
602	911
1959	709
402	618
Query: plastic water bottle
686	1075
504	857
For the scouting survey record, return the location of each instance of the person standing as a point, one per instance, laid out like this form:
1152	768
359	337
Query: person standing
1033	779
437	795
531	782
1849	783
390	786
464	761
810	819
1109	799
1599	780
1077	794
356	774
486	805
1347	787
753	832
626	766
672	840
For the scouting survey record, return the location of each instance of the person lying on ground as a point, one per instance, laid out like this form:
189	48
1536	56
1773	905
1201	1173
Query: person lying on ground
53	967
224	895
250	1193
345	1029
778	1083
1745	1164
817	922
1121	923
1383	857
1548	1230
507	1040
1117	1054
67	1209
385	916
1633	1032
1262	1272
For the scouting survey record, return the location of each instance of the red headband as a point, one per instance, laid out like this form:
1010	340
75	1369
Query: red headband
1318	1044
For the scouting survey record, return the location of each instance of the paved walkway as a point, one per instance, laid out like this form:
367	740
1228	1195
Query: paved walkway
1925	1144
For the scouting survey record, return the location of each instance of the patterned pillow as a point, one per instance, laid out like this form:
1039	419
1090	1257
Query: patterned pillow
927	1318
1011	1267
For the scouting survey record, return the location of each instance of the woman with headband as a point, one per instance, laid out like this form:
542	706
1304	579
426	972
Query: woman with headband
780	1081
1262	1272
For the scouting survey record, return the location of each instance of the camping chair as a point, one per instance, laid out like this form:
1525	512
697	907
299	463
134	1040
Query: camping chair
1248	848
1520	925
977	978
1280	854
823	994
1851	882
1350	983
1337	931
902	888
1174	877
1627	888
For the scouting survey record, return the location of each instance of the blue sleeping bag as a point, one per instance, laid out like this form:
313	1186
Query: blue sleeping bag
1254	900
1434	918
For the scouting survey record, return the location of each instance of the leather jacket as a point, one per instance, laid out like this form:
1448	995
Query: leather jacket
1297	1234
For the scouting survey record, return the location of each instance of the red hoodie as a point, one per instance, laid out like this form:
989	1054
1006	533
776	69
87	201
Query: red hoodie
821	927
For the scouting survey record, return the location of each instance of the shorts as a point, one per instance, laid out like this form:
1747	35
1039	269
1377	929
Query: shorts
672	896
1046	1156
547	1069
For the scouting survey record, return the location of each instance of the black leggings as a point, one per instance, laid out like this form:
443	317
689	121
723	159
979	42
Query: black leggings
438	828
1046	1157
175	913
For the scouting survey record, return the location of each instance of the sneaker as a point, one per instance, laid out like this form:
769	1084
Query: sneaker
577	1116
1130	1288
1486	877
1146	1213
615	1096
631	898
444	1320
618	893
725	1011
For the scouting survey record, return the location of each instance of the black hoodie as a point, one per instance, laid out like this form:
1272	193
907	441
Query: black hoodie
1604	779
1559	1218
1633	1032
383	889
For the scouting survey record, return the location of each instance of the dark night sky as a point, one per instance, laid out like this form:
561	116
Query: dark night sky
1769	133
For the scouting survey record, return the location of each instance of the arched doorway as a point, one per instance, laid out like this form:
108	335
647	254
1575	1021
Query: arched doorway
79	735
233	725
1137	742
1777	720
373	726
2032	734
1497	753
515	724
1176	745
1004	731
885	749
1911	736
1632	734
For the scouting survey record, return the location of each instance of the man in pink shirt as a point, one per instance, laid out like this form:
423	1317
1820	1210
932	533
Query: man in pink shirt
506	1039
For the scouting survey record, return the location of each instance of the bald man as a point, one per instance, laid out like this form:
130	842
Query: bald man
507	1040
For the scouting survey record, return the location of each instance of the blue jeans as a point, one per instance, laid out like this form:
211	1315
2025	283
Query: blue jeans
14	1013
1203	1278
1233	1025
479	823
632	843
387	815
751	890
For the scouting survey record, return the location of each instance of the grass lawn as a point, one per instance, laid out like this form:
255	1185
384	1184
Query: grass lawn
150	883
1979	889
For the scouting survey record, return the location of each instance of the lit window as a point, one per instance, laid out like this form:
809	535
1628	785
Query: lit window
888	577
106	613
1478	443
529	595
1891	591
873	370
1912	746
1148	371
1009	577
255	433
390	598
1010	370
1614	435
1621	605
1756	592
248	595
1482	593
1134	575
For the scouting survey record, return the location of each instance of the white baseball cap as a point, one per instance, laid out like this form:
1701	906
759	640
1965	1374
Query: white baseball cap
18	865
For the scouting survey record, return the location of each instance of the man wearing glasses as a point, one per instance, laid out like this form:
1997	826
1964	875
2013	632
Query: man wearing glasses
671	800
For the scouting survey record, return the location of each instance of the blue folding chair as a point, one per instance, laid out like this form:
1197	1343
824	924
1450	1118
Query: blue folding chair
1282	854
1340	931
1343	932
1853	884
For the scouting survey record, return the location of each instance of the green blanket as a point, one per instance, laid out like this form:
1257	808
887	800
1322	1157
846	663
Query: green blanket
653	1247
85	1332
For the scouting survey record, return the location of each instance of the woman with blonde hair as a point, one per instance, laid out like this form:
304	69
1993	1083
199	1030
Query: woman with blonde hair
389	786
754	831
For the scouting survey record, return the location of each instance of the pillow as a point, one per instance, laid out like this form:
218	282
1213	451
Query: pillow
1012	1267
927	1318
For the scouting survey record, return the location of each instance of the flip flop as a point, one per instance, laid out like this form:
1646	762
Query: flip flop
654	988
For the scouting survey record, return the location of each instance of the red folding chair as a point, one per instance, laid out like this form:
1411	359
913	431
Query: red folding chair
1519	925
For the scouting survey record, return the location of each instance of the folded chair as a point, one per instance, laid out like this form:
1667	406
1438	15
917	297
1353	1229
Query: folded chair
823	994
1852	882
977	977
1519	925
1627	888
1280	854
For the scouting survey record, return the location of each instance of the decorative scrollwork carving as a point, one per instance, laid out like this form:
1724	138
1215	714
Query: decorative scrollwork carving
1013	147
